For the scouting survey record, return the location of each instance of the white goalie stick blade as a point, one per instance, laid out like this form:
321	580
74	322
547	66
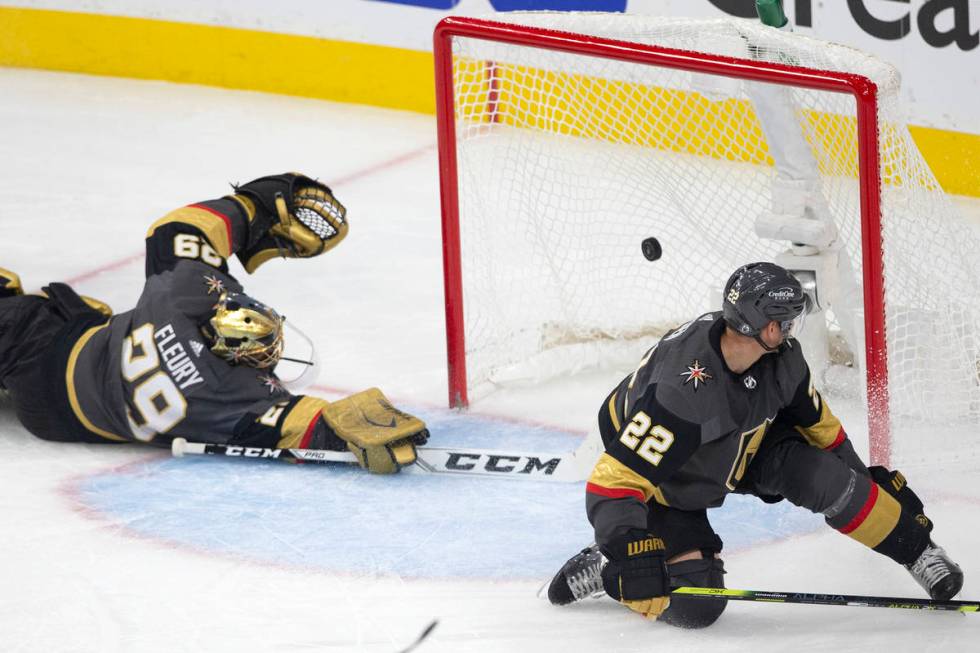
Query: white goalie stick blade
565	466
501	463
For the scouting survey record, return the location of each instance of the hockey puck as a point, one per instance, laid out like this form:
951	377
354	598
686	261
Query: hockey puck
651	248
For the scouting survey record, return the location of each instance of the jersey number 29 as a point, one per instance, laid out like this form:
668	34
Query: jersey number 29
160	405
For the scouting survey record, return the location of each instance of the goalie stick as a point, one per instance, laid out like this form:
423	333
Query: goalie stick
827	599
566	466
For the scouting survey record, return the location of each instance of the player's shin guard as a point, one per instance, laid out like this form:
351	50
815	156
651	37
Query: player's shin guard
686	612
888	517
873	517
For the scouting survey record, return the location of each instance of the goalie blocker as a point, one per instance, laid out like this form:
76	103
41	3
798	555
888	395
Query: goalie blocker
382	437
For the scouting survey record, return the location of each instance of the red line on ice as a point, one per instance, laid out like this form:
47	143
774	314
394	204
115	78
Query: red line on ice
354	176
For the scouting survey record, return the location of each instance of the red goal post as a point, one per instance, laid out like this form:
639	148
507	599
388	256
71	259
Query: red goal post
861	88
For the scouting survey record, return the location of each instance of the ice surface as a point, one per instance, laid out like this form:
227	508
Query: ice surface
121	548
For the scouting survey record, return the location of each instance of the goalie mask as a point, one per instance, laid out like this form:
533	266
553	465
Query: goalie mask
759	293
245	331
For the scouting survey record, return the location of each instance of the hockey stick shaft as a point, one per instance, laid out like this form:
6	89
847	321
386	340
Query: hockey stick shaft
478	462
826	599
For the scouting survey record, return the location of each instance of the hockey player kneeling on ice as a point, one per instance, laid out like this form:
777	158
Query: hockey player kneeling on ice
196	357
722	404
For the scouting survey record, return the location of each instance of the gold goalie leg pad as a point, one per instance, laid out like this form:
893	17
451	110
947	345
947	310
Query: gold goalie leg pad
382	437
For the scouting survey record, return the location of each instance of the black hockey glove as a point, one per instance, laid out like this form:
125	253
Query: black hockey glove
294	217
637	575
893	482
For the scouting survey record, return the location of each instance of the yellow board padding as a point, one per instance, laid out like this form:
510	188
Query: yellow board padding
687	122
217	56
403	79
954	158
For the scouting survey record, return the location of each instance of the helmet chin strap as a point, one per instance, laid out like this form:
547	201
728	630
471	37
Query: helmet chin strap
785	344
758	339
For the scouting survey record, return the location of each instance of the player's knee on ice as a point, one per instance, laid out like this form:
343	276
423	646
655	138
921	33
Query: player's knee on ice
688	612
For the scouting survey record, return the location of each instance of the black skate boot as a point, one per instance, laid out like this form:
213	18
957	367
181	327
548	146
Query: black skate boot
579	578
937	573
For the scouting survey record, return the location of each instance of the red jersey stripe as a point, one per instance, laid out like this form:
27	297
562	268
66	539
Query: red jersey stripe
227	220
305	442
841	436
614	492
864	512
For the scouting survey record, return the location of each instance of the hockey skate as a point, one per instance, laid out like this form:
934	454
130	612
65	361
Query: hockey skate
937	573
579	578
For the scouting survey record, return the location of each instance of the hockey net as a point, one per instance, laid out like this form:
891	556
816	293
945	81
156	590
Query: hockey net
566	139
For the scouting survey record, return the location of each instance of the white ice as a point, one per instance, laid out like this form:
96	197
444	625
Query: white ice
124	549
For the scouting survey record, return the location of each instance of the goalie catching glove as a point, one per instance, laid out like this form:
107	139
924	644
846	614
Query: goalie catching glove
382	437
290	215
636	574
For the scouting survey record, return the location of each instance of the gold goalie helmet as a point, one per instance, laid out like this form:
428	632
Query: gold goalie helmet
245	331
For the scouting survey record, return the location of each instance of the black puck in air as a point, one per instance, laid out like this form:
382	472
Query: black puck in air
651	248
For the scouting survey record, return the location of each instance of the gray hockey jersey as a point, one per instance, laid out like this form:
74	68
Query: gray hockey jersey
683	428
149	375
148	371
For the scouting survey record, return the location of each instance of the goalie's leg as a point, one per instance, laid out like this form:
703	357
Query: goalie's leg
27	330
32	341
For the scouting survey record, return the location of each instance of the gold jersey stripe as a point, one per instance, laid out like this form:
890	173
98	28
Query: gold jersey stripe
612	412
824	432
614	475
298	420
880	522
73	396
214	228
247	205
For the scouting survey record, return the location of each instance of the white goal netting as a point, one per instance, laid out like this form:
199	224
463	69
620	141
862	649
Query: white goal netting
566	162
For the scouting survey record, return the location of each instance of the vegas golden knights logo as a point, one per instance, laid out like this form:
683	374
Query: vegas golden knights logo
644	546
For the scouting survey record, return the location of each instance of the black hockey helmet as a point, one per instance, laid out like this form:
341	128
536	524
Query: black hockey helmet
759	293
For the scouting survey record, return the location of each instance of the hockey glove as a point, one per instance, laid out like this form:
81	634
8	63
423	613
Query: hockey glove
637	575
893	482
292	216
382	437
